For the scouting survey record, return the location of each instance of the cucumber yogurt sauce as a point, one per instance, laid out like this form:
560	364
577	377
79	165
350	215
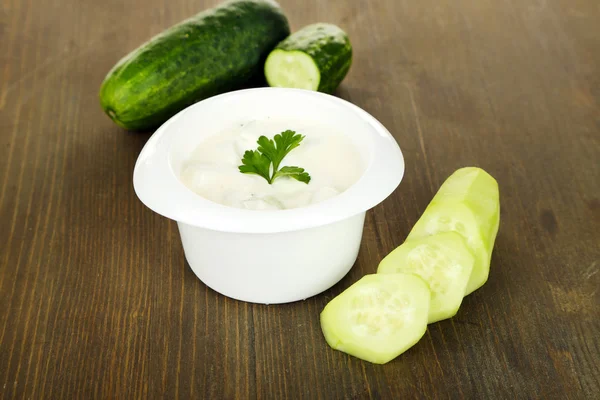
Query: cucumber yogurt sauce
328	156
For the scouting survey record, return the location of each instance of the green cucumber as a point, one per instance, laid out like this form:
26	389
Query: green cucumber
468	203
217	50
443	261
317	57
377	318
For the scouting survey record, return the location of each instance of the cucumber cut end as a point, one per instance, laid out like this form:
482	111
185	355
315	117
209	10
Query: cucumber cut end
292	69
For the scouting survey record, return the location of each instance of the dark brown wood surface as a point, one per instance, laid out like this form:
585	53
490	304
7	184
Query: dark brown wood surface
96	300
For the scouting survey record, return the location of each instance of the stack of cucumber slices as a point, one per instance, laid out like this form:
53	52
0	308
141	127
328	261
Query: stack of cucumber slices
446	256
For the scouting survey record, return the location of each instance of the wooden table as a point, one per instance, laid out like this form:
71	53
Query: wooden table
97	301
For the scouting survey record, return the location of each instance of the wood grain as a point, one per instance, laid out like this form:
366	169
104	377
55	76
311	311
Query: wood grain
96	300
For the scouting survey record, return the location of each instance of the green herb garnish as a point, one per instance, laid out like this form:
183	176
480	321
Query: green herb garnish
273	151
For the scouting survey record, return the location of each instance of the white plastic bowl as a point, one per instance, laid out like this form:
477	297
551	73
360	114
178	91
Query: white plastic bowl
267	256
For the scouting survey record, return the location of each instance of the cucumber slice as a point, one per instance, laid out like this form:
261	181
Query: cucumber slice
443	261
456	217
468	202
317	57
377	318
478	190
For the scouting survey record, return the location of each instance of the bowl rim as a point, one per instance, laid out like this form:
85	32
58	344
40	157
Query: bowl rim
157	186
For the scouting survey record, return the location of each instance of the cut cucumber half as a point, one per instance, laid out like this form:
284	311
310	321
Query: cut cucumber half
292	69
459	218
478	190
378	318
443	261
317	57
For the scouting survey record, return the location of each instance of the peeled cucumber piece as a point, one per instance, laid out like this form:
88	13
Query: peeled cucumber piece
379	317
479	191
468	203
443	261
317	57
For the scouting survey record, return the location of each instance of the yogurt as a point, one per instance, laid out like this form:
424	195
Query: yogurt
330	158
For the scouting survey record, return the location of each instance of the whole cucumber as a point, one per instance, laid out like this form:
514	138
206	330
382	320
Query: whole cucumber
216	51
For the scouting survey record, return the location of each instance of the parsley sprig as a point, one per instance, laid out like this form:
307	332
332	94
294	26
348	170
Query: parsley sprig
273	151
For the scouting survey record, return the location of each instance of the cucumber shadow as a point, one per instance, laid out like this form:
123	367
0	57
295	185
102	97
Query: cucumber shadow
256	81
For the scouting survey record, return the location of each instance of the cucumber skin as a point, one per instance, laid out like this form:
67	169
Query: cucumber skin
330	49
216	51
